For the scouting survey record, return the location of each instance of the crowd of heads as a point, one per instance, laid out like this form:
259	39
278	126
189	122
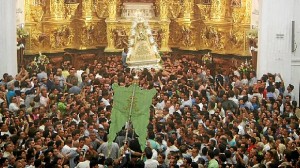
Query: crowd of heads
203	115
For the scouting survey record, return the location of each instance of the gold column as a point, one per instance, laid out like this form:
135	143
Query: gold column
218	10
57	9
110	36
163	10
165	37
110	23
247	15
112	10
87	12
187	42
34	13
188	9
164	24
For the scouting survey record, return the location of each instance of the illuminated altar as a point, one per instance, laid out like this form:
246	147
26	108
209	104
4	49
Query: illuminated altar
216	25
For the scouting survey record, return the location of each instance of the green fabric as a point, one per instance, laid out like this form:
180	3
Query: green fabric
140	110
213	164
62	107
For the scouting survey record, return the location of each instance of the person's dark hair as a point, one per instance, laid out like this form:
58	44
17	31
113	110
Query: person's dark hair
288	155
75	132
151	135
211	154
148	152
58	143
194	165
93	162
216	152
108	162
204	151
222	147
37	163
140	164
171	140
253	140
222	157
227	153
162	155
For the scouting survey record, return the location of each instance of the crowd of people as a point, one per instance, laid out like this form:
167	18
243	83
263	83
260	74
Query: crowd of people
201	116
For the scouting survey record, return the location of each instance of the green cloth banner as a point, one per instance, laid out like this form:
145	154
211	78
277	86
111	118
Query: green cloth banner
140	110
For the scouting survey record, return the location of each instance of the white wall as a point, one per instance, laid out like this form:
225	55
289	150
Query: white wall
8	39
275	34
295	73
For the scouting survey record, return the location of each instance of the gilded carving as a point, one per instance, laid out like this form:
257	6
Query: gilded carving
27	11
247	11
87	9
238	15
175	33
61	37
57	9
218	11
204	11
235	3
101	33
165	33
213	38
112	9
157	35
236	38
220	25
100	8
120	38
163	10
37	13
88	34
37	38
206	2
188	8
71	9
175	8
187	36
110	37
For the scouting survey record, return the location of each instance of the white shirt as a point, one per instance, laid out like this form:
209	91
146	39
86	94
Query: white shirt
241	130
65	150
171	109
13	107
85	164
44	101
196	158
150	163
172	148
186	103
154	154
106	102
267	147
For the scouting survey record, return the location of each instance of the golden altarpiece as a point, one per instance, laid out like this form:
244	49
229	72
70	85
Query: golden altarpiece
216	25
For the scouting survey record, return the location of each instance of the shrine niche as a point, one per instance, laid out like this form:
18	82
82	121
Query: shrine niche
216	25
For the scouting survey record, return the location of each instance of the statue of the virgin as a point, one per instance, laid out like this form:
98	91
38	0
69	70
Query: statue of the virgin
142	52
